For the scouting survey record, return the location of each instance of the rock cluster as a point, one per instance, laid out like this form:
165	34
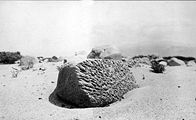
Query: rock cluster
94	83
105	52
175	62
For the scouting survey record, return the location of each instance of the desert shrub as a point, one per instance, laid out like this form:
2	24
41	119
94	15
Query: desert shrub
27	62
15	72
157	68
9	57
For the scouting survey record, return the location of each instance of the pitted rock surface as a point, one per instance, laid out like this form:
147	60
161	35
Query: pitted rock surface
94	83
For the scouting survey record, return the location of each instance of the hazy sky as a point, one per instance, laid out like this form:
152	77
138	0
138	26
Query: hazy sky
61	28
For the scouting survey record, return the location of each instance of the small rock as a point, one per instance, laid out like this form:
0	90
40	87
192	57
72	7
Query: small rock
99	116
143	77
52	81
161	99
178	86
39	98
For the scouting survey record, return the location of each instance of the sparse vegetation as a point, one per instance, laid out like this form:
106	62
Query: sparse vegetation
9	57
27	62
15	72
157	68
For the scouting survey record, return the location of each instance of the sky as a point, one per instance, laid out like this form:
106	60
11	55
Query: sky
62	28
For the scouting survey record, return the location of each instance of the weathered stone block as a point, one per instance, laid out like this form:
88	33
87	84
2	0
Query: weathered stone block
94	83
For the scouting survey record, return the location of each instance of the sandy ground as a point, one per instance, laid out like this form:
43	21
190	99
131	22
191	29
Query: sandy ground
168	96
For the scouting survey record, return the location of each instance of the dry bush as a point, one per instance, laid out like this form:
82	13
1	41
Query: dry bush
27	62
15	72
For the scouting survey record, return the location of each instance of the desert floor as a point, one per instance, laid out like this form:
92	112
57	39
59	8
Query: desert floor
168	96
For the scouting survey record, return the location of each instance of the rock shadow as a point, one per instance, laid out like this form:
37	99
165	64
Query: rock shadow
56	100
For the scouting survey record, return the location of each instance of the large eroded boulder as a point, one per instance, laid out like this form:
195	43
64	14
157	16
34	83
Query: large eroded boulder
105	52
94	83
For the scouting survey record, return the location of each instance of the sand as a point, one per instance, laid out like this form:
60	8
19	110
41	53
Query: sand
168	96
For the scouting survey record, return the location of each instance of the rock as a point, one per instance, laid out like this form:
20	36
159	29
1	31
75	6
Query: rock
17	62
175	62
61	58
55	58
42	68
191	63
160	59
163	63
105	52
40	59
64	61
52	59
94	83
